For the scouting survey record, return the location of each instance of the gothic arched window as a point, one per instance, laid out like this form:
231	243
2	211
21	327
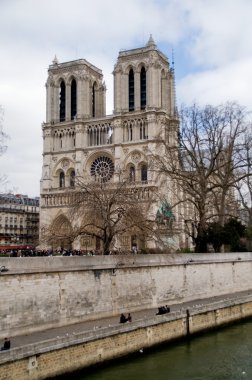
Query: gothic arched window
144	173
62	180
143	88
62	101
131	91
132	173
73	99
72	178
130	132
94	88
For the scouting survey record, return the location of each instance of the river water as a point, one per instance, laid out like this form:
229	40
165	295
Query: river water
219	355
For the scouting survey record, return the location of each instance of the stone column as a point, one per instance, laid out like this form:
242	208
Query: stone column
68	102
48	103
117	89
137	95
55	103
125	92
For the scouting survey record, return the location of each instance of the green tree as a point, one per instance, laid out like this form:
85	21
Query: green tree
234	231
216	235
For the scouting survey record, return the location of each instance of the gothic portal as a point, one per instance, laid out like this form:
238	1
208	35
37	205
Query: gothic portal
79	139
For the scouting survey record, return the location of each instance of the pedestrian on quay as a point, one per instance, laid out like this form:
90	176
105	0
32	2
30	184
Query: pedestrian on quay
6	345
123	319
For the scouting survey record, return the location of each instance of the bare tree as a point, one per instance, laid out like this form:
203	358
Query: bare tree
105	211
231	164
202	163
244	183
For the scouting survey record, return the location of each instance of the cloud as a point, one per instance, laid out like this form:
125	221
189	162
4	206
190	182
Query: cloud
221	31
231	82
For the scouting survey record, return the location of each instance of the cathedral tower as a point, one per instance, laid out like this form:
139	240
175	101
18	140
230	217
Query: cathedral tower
79	139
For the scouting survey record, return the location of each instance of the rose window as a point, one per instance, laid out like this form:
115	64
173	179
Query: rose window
102	168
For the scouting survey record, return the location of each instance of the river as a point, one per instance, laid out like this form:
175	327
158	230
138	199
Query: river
219	355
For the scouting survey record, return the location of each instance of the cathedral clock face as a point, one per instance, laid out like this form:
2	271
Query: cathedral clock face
102	169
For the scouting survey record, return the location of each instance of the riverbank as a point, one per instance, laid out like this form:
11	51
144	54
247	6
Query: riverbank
80	349
38	294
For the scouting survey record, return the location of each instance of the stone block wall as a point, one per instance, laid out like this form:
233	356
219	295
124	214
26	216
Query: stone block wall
40	293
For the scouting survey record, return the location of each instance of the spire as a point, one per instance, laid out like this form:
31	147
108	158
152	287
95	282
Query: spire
151	42
173	67
55	60
175	110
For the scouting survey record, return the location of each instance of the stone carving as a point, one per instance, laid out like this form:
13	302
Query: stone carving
136	156
65	163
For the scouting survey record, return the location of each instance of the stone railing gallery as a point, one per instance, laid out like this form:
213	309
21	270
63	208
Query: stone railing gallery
62	198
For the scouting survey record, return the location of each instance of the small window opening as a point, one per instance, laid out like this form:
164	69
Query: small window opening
62	99
62	180
144	176
73	99
131	91
72	178
143	88
132	174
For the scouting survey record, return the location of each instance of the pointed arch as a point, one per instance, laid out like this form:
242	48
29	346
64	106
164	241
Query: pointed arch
61	179
143	88
61	232
62	101
131	91
73	99
72	178
132	173
144	173
94	91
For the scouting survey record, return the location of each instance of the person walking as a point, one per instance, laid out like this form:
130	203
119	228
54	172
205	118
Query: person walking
6	345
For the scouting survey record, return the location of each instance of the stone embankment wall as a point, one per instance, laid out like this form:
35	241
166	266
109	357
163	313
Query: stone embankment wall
40	293
63	355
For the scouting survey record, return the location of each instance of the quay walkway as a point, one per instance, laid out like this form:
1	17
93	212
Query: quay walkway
93	325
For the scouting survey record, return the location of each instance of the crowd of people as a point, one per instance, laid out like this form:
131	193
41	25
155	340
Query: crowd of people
57	252
48	252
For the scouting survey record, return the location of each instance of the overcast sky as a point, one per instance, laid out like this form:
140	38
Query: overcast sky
212	47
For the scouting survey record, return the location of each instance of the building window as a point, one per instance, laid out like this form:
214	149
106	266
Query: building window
143	88
131	91
62	101
102	169
61	180
73	99
130	132
72	178
132	174
93	99
144	174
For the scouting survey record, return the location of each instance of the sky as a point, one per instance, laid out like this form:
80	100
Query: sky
211	41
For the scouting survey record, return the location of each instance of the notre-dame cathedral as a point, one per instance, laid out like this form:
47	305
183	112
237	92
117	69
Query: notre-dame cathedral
79	139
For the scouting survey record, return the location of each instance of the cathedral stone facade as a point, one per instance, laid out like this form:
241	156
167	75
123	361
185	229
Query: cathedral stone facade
80	140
